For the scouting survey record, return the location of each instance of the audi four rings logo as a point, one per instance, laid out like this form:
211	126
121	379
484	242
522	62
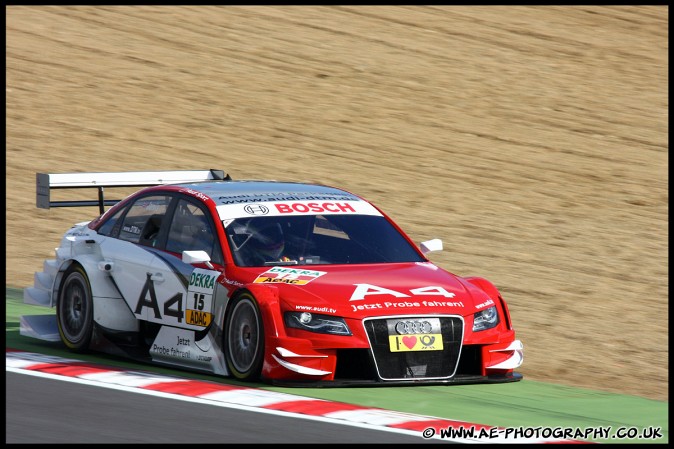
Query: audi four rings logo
256	209
413	327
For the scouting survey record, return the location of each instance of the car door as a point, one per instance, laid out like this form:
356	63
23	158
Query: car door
130	248
184	293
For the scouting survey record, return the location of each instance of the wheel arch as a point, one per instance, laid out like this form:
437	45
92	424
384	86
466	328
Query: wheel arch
110	309
267	300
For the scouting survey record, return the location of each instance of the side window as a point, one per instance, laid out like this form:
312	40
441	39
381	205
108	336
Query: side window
144	219
191	230
107	227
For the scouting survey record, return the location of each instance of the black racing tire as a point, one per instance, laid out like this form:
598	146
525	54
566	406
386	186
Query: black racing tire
75	309
244	338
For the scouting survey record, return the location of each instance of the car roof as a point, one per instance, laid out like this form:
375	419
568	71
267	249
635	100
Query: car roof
228	192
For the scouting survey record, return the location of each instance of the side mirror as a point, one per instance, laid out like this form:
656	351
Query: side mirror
197	257
431	245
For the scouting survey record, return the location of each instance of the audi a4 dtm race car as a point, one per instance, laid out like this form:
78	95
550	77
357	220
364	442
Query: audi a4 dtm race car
282	282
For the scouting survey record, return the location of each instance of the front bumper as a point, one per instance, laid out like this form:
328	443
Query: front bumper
295	361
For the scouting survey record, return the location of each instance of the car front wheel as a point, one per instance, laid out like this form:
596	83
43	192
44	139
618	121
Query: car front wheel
75	310
244	338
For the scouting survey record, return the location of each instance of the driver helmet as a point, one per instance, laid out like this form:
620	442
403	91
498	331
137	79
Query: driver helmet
267	239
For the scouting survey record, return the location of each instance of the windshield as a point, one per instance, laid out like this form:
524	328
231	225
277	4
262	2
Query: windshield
317	239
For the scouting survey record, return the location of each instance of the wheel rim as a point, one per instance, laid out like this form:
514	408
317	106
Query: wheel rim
243	336
74	308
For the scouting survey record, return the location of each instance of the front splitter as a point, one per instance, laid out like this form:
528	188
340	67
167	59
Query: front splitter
456	380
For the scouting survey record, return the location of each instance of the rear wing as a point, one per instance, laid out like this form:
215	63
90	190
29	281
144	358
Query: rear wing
48	181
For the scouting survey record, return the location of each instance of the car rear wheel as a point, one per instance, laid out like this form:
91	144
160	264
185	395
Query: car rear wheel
75	310
244	338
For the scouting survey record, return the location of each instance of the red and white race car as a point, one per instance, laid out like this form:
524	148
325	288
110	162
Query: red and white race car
284	282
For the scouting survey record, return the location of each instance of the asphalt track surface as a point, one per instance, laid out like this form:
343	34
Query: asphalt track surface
42	410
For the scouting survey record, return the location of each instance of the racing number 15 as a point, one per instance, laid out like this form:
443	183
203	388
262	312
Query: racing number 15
199	301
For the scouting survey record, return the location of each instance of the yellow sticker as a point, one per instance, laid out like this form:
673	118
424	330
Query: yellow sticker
422	342
198	318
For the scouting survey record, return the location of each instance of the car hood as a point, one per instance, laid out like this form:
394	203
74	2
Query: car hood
373	290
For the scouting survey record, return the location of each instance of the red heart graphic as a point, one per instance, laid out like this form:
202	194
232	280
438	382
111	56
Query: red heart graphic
410	341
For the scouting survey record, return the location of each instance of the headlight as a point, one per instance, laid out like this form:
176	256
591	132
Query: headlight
314	322
485	319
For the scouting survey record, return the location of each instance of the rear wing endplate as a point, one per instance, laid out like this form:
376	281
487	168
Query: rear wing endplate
48	181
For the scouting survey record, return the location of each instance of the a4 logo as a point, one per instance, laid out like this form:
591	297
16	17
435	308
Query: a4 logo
363	290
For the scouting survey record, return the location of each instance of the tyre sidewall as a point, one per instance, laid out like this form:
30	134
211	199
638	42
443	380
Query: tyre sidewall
75	276
253	373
